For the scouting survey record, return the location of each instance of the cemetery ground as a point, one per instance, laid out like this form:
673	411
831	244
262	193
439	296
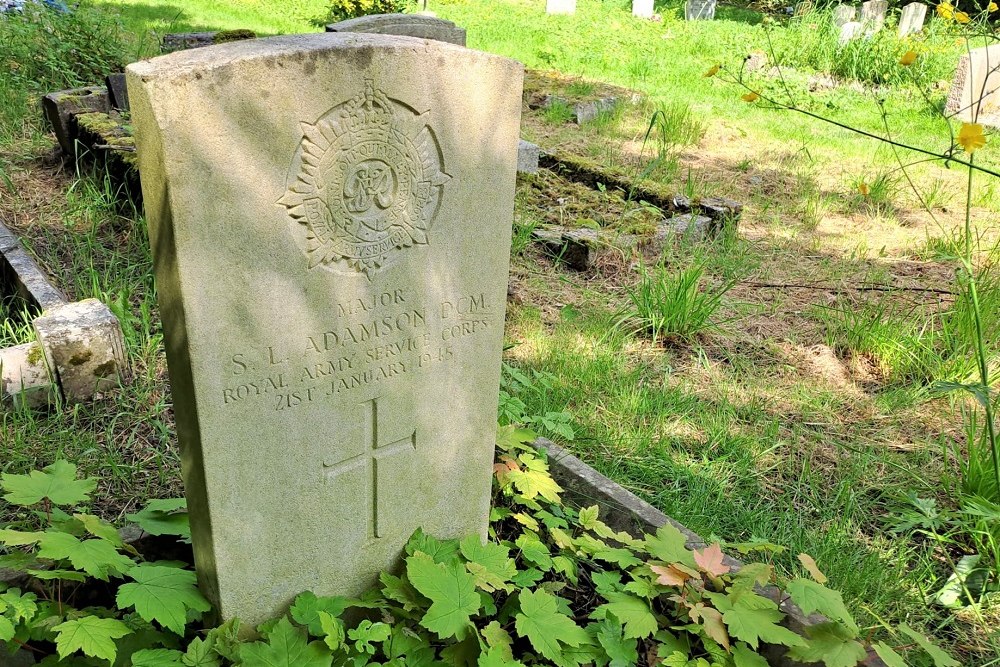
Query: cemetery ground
803	419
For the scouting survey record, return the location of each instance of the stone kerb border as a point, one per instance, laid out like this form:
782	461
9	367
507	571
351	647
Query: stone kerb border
622	510
79	350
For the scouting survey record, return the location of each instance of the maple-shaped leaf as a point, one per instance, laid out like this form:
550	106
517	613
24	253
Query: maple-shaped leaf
164	517
938	655
162	594
811	597
201	653
534	551
489	563
710	620
888	655
399	590
630	610
496	658
157	657
98	558
442	551
451	590
56	482
510	438
753	618
830	643
332	630
21	606
744	656
17	538
534	483
588	516
98	527
669	545
548	630
93	636
7	631
286	646
672	575
498	639
709	560
52	575
621	650
810	565
306	607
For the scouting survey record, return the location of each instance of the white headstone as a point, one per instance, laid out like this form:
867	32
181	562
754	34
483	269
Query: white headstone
849	31
560	6
642	8
911	19
330	217
699	10
843	14
873	15
975	92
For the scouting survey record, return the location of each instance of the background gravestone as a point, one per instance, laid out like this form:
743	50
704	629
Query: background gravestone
844	14
560	6
642	8
975	91
849	31
331	242
873	15
911	19
412	25
698	10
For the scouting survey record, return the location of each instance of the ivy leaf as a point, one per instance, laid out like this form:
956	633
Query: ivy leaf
286	646
451	590
811	596
94	636
497	658
164	517
940	658
831	643
56	482
201	653
620	649
162	594
709	560
489	563
744	656
810	565
633	612
307	606
98	558
157	657
888	655
548	630
669	545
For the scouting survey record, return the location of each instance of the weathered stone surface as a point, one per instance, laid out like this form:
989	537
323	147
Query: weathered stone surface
332	293
873	15
118	93
687	224
19	274
108	140
754	62
699	10
974	96
850	31
186	40
83	347
24	377
642	9
60	107
720	208
560	6
588	110
578	248
527	157
911	19
844	14
410	25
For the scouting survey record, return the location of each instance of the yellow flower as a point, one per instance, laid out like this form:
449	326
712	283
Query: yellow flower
863	189
946	10
971	138
962	17
908	58
751	97
712	72
992	7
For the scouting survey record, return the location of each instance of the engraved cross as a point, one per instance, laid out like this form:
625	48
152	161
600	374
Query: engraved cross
368	460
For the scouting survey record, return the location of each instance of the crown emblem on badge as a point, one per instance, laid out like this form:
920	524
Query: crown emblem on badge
367	181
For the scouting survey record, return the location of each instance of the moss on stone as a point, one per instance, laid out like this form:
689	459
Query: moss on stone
224	36
35	355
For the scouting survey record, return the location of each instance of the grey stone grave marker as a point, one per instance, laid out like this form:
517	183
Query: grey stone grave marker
975	91
699	10
331	242
911	19
844	14
642	8
560	6
849	31
873	15
412	25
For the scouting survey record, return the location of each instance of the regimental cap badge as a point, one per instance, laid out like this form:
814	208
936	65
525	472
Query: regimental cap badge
367	182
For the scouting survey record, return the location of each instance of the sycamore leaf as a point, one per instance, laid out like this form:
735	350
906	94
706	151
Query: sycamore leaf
399	590
56	482
489	563
888	655
201	653
753	619
333	630
498	639
307	606
497	658
6	629
810	565
163	594
545	627
940	658
17	538
709	560
670	575
620	649
91	635
157	657
630	610
830	643
164	517
534	551
588	516
669	546
811	597
711	622
442	551
52	575
286	646
367	634
98	558
22	605
100	528
509	438
451	590
534	483
744	656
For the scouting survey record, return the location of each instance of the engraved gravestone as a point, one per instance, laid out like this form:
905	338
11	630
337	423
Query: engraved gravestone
412	25
331	243
843	14
698	10
873	15
643	9
911	19
974	96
